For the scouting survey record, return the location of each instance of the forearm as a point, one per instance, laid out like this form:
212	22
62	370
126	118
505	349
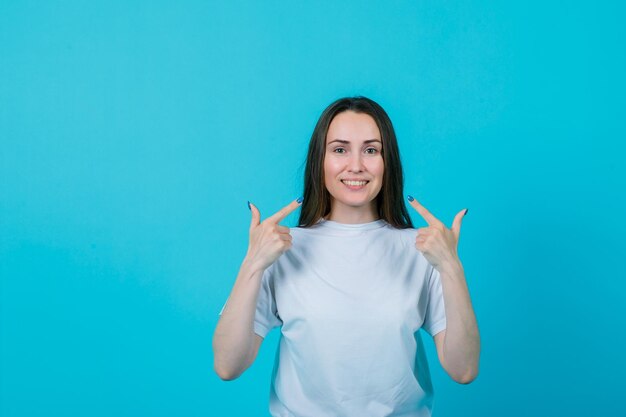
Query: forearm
234	335
461	345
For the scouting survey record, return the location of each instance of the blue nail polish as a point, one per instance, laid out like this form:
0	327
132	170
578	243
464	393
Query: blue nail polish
466	210
300	200
249	206
410	198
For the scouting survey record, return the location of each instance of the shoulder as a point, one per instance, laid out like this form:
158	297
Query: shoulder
406	235
299	231
313	230
303	237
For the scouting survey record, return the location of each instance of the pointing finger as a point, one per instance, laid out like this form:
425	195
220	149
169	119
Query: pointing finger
285	211
430	219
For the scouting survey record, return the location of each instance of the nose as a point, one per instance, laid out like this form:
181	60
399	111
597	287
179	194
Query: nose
355	164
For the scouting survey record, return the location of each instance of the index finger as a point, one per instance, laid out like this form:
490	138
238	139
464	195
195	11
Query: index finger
430	219
285	211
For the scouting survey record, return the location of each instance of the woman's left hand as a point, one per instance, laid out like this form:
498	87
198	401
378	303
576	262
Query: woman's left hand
437	242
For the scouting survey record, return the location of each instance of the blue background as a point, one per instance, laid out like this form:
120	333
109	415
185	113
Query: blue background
133	133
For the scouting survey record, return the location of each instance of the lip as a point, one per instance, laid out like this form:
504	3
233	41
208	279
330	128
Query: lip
355	187
354	179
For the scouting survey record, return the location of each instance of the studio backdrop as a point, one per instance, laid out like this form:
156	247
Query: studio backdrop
133	133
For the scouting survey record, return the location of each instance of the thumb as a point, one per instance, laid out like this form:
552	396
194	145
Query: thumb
456	224
256	216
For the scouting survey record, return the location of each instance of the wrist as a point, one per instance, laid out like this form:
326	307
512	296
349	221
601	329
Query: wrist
452	268
252	266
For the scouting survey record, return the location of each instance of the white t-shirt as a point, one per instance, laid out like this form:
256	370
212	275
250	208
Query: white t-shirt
351	299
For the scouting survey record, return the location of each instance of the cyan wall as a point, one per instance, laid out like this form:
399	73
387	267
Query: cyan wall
133	133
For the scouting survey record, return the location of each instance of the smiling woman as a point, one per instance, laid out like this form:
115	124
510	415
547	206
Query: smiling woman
353	167
354	139
352	285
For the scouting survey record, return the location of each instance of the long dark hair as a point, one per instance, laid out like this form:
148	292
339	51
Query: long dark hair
390	202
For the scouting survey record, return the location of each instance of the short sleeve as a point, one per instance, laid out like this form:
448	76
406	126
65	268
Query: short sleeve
223	307
266	316
435	320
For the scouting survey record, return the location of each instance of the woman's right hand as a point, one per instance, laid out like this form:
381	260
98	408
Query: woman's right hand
268	239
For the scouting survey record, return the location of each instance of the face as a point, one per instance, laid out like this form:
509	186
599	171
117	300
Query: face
353	162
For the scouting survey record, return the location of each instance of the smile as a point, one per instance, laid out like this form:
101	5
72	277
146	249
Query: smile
354	185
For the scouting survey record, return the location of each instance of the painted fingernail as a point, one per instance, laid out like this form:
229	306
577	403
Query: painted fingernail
410	198
466	210
300	200
249	206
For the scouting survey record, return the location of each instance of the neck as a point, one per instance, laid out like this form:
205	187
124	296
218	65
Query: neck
352	215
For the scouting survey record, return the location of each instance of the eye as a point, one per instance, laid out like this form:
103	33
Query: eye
337	149
371	149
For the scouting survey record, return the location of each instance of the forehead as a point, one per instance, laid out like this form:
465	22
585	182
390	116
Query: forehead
352	126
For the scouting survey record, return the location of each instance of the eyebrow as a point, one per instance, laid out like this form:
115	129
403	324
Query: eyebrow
347	142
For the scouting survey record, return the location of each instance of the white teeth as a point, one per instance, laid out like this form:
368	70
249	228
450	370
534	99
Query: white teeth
354	183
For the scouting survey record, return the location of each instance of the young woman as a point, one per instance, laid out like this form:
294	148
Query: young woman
352	285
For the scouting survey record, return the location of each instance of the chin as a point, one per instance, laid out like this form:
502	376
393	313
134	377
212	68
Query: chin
355	202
